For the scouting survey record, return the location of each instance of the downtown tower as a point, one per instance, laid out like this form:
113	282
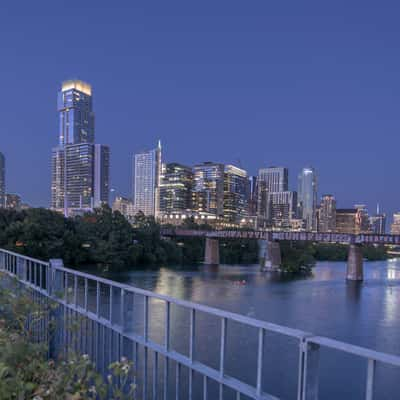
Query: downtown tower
80	168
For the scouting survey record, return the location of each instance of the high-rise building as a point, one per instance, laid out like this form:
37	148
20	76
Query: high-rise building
378	222
276	178
176	189
395	228
270	180
147	176
80	168
327	214
253	196
352	220
101	175
13	202
236	194
124	206
76	115
307	198
282	209
2	180
208	190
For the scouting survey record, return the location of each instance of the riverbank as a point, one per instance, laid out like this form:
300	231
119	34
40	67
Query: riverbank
106	239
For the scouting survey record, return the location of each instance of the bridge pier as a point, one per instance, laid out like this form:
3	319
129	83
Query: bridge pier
272	257
211	256
355	270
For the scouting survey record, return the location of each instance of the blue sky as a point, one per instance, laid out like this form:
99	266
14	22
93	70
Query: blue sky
257	82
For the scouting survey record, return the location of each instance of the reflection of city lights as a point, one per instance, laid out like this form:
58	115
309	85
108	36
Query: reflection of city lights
391	274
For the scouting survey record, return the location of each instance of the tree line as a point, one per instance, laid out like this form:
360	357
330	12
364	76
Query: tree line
105	238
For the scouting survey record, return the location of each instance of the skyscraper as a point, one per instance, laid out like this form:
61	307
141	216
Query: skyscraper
270	180
75	108
276	178
147	175
282	209
307	197
80	168
208	190
2	180
176	189
327	214
378	222
236	194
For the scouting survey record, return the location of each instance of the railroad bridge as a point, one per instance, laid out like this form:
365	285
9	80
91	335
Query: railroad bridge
270	254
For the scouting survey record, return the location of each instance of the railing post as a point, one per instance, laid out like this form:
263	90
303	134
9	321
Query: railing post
310	370
54	312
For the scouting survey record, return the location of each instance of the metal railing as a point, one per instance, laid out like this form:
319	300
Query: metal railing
108	328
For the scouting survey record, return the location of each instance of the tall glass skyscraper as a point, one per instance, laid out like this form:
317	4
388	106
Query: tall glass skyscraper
270	180
80	168
307	198
2	180
176	189
208	191
236	194
147	175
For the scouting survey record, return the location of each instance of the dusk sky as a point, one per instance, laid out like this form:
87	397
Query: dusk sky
254	83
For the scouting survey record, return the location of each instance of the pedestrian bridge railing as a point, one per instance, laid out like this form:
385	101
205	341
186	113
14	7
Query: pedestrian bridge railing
108	328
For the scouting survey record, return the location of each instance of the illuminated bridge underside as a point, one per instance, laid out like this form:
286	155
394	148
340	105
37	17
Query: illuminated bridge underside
293	236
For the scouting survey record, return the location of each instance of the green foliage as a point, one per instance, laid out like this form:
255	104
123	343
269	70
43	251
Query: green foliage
297	257
26	373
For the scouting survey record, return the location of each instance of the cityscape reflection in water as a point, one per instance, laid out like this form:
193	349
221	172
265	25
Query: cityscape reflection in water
365	314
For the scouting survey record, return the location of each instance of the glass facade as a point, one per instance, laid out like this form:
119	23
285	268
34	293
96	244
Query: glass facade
307	198
270	180
2	180
208	191
147	175
176	189
75	113
327	214
80	168
236	194
282	208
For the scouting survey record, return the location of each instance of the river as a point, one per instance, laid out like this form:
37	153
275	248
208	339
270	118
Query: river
325	304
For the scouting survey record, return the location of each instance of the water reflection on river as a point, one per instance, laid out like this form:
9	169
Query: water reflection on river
365	314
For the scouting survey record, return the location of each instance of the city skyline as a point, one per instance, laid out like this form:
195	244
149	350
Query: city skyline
328	113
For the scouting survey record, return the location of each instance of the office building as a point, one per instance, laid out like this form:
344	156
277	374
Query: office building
253	196
236	195
378	222
80	168
352	220
395	228
307	198
270	180
282	209
76	117
124	206
276	178
208	189
176	189
101	174
13	202
327	214
147	176
2	180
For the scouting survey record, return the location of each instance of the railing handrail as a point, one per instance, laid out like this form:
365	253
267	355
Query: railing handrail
296	333
13	253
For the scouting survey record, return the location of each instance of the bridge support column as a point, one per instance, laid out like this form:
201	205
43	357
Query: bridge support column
211	256
355	271
272	259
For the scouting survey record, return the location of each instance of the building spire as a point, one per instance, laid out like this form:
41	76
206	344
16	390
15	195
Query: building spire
159	144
